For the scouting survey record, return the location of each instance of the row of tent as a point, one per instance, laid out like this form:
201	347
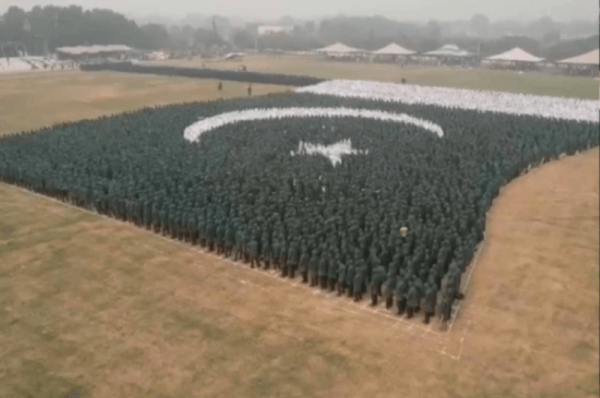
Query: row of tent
453	51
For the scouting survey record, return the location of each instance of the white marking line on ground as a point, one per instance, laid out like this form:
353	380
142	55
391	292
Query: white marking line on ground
361	307
471	268
425	345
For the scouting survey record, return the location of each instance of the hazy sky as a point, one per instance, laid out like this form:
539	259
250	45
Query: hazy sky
409	10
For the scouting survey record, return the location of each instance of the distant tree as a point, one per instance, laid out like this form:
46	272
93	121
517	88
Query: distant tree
433	30
309	28
286	20
44	29
551	37
243	39
207	38
570	48
14	22
480	24
493	47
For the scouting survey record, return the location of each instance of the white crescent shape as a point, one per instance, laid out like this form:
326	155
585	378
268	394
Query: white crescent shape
192	133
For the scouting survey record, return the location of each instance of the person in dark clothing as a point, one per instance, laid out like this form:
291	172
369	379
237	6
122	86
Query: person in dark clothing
447	301
253	253
313	267
359	278
378	279
341	278
220	86
454	273
249	89
430	301
420	293
400	294
411	301
350	278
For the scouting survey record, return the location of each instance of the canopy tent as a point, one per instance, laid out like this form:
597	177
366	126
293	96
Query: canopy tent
449	50
91	50
393	49
515	55
339	48
590	59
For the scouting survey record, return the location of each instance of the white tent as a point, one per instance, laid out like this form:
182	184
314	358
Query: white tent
80	50
339	48
449	50
590	58
515	55
393	49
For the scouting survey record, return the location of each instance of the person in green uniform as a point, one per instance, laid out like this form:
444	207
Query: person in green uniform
412	298
265	249
341	277
323	264
303	262
379	277
388	288
430	302
239	243
332	271
229	239
313	268
359	280
455	274
253	252
292	258
420	293
283	251
275	252
350	277
400	294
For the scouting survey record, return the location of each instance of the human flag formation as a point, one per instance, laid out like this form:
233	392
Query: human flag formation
317	184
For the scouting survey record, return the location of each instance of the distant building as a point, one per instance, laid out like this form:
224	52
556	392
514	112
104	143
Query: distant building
269	30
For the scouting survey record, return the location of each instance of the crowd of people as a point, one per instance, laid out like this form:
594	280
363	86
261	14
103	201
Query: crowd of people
400	222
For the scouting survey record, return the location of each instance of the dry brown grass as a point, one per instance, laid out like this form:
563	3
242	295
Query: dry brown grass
90	304
475	79
30	101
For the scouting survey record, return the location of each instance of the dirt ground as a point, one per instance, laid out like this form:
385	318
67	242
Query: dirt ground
30	101
97	306
474	79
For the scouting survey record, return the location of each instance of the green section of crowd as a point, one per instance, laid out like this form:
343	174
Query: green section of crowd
204	73
240	193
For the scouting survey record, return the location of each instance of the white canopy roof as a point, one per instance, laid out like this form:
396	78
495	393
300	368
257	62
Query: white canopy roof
393	49
516	54
94	49
449	50
590	58
339	48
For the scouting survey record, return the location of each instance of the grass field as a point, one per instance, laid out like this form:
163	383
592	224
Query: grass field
97	306
531	83
30	101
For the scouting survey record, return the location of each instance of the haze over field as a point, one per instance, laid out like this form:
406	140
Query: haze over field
422	10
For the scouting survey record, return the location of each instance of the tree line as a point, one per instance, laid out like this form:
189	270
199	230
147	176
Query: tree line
43	29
